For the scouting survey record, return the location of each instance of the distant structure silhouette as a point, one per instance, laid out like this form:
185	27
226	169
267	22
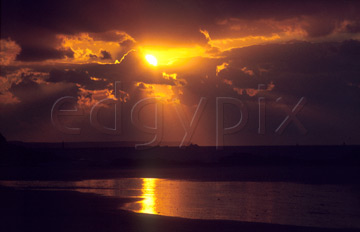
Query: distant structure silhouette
192	147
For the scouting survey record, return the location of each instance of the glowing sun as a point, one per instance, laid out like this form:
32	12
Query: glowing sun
151	59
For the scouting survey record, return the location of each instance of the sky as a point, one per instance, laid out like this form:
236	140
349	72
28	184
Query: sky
279	72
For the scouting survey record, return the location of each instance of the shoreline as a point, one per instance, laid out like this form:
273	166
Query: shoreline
33	210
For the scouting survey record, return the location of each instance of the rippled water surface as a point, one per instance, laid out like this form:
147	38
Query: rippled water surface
332	206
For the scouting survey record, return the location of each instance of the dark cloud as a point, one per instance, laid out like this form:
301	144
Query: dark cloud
36	23
320	72
110	36
353	27
105	55
77	77
33	53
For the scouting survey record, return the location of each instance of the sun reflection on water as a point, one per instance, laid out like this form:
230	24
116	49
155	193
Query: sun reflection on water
282	203
148	204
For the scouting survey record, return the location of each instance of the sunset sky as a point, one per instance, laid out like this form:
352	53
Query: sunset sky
181	51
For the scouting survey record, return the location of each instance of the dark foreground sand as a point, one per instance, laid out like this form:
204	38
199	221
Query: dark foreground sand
34	210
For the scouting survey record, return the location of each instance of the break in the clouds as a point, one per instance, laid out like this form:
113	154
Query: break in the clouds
240	49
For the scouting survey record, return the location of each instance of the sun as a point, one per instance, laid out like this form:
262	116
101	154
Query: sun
151	59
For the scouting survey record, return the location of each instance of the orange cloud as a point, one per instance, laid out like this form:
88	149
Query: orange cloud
169	76
8	98
249	91
100	48
221	67
228	82
167	93
15	78
226	44
237	33
248	71
9	49
98	79
206	34
88	98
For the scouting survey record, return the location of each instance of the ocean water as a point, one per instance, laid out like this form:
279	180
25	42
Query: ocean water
328	206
